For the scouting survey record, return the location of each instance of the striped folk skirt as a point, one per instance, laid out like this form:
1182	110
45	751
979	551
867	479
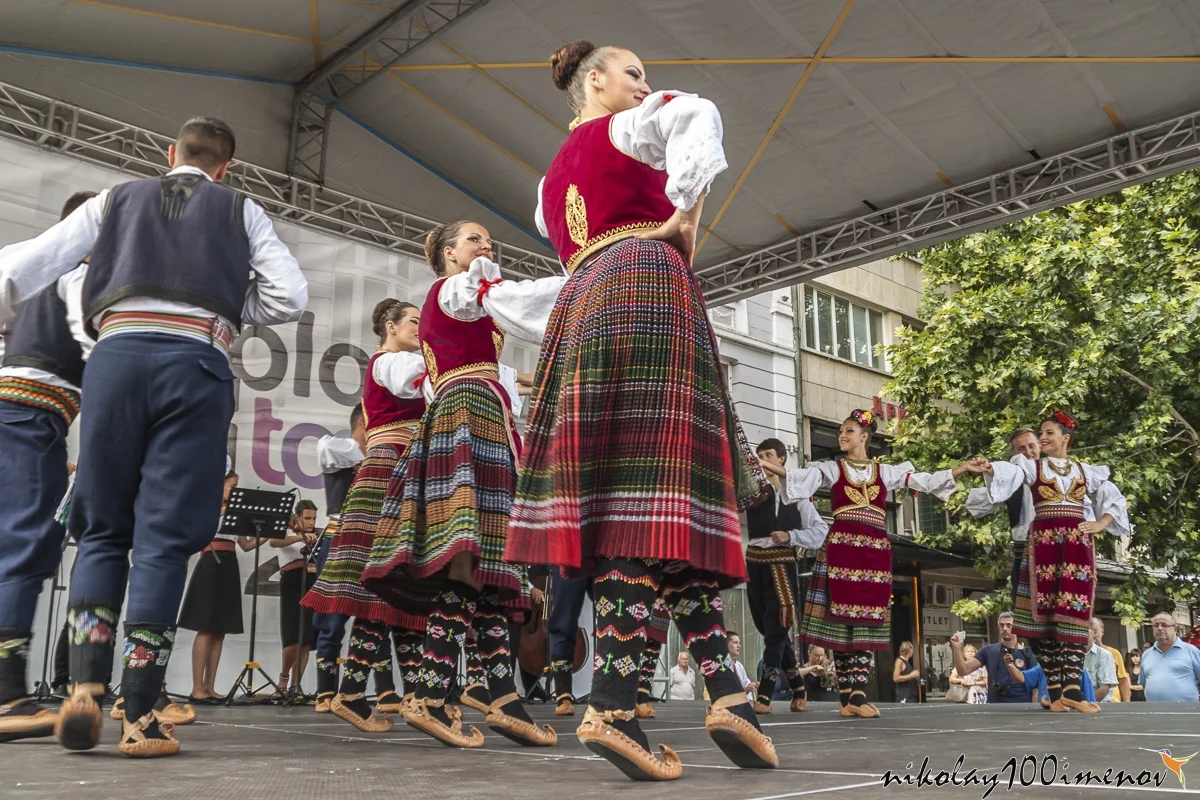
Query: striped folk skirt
451	493
816	628
1062	561
633	448
339	588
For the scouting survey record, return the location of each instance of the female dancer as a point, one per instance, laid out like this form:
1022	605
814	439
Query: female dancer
392	403
212	604
440	544
1057	589
848	606
636	464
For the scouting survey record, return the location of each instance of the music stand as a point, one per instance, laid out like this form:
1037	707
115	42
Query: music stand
258	514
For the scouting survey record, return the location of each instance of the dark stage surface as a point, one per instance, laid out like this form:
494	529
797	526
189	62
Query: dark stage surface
272	753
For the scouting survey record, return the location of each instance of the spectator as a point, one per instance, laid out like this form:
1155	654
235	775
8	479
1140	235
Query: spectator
682	679
905	676
819	678
735	652
1146	646
1099	665
1004	688
1171	668
976	683
1122	693
1133	666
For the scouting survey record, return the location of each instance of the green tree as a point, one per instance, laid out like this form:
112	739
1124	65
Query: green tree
1093	308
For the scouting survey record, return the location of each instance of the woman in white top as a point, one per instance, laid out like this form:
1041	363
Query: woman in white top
682	679
848	605
1057	589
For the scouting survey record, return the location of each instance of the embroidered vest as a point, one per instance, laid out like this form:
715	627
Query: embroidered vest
382	410
454	348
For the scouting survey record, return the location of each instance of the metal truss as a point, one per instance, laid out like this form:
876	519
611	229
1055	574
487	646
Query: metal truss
1105	166
64	128
365	59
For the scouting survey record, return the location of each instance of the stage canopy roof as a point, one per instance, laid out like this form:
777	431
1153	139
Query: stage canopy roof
854	130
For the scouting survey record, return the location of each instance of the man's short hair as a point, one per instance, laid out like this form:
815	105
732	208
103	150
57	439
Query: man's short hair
731	634
356	414
1005	615
773	444
205	142
1019	432
305	505
74	202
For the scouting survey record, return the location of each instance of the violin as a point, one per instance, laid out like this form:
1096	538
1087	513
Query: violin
534	653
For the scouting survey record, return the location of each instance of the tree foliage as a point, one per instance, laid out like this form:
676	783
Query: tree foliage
1093	308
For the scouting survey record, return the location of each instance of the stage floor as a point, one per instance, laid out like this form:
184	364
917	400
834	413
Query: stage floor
269	753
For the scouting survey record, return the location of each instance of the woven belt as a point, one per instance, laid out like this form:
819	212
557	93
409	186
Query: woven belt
61	401
770	555
212	330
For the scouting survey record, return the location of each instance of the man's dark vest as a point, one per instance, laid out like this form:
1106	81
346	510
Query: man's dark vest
40	337
337	486
180	237
762	519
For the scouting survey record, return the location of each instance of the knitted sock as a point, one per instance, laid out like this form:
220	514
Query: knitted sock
699	615
93	642
625	590
843	666
796	683
144	670
327	675
860	673
1072	670
381	668
648	669
408	647
1051	658
766	685
366	637
491	633
450	616
561	670
475	671
14	654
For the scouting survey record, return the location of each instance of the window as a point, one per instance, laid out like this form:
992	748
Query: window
931	515
837	327
733	316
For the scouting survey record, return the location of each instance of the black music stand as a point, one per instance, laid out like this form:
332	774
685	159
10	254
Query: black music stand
258	514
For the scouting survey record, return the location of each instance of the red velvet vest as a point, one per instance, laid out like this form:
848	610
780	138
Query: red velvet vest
1061	563
858	552
382	410
454	348
595	195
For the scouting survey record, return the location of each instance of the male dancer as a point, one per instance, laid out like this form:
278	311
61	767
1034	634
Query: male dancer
773	588
44	349
1022	441
168	287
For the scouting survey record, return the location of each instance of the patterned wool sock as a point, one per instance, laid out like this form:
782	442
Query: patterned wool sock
1051	658
14	655
843	666
450	616
93	642
366	638
625	590
796	683
491	634
561	671
144	670
1072	671
860	673
699	615
327	676
408	647
381	669
648	669
766	685
475	670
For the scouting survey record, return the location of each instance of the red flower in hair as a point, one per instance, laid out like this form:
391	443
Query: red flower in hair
1063	418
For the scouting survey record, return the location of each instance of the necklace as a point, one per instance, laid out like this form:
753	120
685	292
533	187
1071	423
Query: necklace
858	464
1064	470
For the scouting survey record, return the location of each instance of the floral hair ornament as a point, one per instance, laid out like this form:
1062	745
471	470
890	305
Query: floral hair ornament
1066	420
863	418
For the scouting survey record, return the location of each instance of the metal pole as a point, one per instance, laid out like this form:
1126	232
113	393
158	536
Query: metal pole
798	367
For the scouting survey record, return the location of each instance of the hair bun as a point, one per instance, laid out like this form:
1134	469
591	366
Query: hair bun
379	315
431	245
565	61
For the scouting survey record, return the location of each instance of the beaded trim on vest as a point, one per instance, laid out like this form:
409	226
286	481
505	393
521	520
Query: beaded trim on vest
63	402
770	555
210	330
602	241
481	370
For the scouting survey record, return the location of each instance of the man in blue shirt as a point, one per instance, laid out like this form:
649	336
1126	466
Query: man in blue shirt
1002	687
1035	678
1171	668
